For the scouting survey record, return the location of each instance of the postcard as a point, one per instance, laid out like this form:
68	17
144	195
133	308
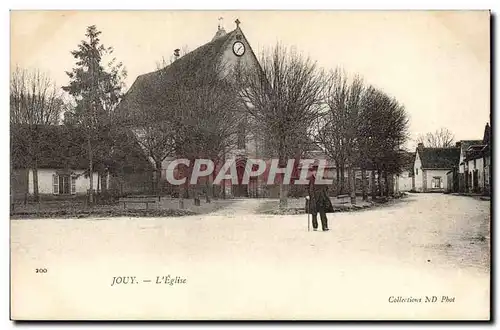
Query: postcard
250	165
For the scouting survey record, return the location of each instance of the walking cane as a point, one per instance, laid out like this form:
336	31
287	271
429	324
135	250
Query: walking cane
307	210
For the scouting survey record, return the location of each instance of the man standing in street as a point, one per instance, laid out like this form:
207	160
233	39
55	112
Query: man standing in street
318	202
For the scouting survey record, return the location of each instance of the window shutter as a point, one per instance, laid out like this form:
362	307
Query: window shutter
442	184
73	184
433	183
55	184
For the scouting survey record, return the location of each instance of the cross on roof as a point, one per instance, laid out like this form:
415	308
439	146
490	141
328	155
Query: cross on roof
237	23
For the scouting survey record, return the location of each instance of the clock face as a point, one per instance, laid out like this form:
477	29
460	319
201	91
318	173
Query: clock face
238	48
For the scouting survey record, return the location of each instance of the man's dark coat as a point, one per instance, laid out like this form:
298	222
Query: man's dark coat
319	199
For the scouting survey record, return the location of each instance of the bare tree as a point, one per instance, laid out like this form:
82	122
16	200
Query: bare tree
441	138
157	141
338	128
34	102
382	130
196	117
208	112
283	98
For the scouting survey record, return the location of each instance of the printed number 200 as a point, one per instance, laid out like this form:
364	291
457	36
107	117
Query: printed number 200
40	270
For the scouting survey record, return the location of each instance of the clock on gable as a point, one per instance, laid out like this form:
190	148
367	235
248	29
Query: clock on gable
238	48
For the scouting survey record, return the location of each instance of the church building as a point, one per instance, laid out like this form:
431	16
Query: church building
231	48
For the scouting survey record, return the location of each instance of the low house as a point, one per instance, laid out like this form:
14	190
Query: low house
477	165
61	157
463	182
61	161
431	168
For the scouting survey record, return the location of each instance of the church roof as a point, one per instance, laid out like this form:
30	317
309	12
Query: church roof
148	88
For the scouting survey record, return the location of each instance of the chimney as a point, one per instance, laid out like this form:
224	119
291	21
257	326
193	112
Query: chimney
487	134
220	29
176	54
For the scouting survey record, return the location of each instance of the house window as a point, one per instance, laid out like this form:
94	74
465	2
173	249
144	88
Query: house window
416	171
63	184
474	164
437	183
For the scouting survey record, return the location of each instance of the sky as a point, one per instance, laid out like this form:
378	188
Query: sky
436	63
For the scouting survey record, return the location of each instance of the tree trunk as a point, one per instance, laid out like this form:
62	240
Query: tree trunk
158	169
209	188
104	181
91	174
380	186
374	185
337	190
183	189
27	186
363	184
342	177
36	195
283	189
387	186
283	195
352	184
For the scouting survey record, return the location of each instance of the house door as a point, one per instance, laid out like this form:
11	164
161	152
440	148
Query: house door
475	181
64	185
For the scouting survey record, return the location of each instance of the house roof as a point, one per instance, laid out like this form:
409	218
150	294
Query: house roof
65	147
477	151
465	144
59	146
148	88
407	160
439	158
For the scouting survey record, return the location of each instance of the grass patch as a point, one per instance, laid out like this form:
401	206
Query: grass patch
102	213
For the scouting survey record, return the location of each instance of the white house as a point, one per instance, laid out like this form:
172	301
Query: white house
431	167
52	181
62	161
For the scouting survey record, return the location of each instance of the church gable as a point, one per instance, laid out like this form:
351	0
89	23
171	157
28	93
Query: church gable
238	51
229	49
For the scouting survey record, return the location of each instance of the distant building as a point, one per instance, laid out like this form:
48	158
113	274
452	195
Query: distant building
463	182
431	168
477	165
